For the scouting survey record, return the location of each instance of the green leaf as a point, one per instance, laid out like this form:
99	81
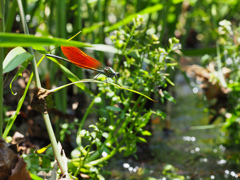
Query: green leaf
146	133
144	120
129	19
35	177
40	49
234	86
177	1
14	58
46	162
169	97
169	81
140	139
14	39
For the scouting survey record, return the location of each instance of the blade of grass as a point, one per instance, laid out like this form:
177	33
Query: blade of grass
71	76
129	18
96	81
61	96
11	16
1	66
90	18
13	39
165	11
92	28
20	102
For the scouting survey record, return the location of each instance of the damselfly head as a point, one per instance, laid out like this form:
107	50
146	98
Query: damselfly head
109	72
117	75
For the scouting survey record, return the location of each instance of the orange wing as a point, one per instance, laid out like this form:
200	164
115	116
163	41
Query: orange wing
80	58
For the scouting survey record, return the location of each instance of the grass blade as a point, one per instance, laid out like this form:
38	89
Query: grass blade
129	19
71	76
96	81
13	39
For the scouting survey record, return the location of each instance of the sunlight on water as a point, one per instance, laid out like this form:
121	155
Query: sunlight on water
212	177
203	160
197	149
126	165
130	169
189	138
222	147
195	90
227	173
222	161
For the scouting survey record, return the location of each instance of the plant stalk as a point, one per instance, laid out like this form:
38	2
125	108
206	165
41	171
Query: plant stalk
1	66
38	85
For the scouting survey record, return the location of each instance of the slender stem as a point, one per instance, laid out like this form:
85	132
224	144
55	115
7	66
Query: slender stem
1	66
38	84
30	49
85	157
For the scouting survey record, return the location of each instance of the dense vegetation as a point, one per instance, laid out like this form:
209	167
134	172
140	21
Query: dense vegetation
100	120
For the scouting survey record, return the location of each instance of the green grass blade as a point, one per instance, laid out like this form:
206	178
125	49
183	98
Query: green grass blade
71	76
92	28
12	39
35	177
129	19
134	92
11	16
14	116
76	82
96	81
2	12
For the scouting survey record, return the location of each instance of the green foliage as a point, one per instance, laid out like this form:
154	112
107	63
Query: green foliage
44	159
14	58
143	65
143	55
229	40
169	172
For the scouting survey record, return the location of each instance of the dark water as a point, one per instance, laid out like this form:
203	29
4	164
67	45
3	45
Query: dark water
187	153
